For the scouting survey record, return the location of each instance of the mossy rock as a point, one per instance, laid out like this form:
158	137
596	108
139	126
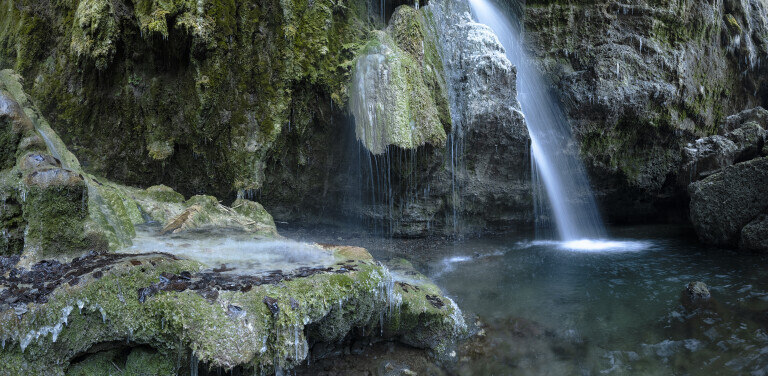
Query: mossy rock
205	212
391	102
179	311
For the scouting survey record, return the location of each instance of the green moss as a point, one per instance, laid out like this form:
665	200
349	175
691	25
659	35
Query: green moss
164	193
395	109
94	32
55	216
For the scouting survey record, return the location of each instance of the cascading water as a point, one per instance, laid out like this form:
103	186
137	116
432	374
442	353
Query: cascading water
553	151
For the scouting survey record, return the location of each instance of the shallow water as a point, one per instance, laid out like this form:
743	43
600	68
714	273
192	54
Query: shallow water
232	251
593	308
615	310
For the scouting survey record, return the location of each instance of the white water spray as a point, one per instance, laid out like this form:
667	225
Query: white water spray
553	150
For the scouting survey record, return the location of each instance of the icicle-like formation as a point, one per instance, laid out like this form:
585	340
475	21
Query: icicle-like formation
55	330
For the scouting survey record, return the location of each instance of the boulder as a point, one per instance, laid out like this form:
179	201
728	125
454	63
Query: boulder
754	236
723	203
711	154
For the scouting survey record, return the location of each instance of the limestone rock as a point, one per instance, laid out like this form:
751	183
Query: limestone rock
723	203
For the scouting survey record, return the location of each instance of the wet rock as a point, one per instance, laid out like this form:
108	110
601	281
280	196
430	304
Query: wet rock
696	298
697	290
272	305
754	235
636	94
723	203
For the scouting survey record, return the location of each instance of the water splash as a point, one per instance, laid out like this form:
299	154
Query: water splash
553	149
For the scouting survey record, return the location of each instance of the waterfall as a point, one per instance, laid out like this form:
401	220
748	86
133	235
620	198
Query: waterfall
553	150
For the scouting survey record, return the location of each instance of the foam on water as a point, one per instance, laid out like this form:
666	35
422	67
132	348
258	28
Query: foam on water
239	251
591	245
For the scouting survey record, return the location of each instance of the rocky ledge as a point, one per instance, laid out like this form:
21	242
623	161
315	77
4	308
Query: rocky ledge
77	318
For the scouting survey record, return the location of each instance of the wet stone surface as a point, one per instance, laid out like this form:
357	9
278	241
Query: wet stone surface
19	286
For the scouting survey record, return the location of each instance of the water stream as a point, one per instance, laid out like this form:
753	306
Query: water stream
556	165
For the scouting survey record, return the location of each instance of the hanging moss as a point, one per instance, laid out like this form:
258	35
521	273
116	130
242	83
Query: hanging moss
202	87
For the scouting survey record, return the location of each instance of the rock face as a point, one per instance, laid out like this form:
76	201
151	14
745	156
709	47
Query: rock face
84	317
53	209
641	80
478	180
490	157
187	93
724	203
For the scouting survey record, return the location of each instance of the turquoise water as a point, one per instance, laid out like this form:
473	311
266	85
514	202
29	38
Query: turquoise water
545	309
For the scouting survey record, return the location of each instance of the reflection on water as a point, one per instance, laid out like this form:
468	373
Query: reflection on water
610	307
238	251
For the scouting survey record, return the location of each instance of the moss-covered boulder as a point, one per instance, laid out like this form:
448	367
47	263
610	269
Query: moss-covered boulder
205	212
398	91
81	316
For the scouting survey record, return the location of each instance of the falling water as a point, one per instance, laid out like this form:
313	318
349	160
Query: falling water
553	150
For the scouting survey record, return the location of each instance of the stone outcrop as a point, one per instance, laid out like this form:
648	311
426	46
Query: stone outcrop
724	203
640	80
83	316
